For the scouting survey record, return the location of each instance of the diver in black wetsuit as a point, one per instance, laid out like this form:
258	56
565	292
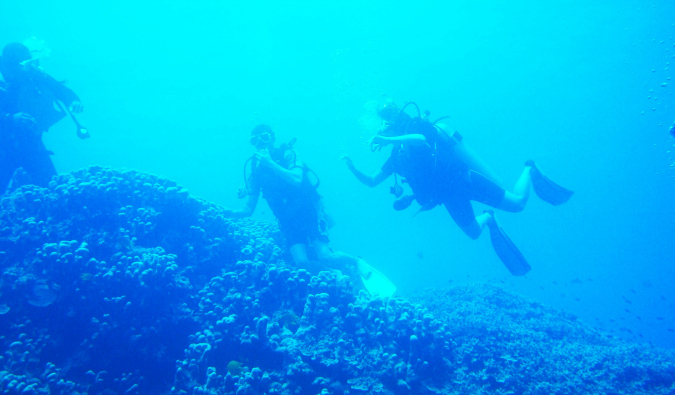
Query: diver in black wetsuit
442	170
293	198
29	105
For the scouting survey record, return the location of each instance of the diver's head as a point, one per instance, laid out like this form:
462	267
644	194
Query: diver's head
262	136
14	56
394	120
388	111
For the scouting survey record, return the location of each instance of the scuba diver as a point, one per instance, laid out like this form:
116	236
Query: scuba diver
30	102
442	170
291	193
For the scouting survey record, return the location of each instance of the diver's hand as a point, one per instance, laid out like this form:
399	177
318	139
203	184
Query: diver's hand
263	156
348	161
24	121
378	142
76	106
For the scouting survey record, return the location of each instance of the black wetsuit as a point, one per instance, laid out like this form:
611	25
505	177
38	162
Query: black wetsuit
297	208
437	175
35	94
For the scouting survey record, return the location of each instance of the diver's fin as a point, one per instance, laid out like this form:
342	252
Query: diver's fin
375	282
507	252
546	189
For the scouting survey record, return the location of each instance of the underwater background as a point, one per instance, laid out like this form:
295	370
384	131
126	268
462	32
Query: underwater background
173	89
583	89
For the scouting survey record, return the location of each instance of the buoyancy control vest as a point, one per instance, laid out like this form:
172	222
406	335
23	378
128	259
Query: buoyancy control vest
432	168
284	199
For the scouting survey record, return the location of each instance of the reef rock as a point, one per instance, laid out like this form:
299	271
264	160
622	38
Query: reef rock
121	282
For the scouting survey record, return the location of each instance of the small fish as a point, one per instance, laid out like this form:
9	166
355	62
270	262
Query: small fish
633	291
626	300
576	280
86	276
509	358
659	318
577	299
4	309
555	283
420	255
671	330
627	311
235	368
290	321
662	297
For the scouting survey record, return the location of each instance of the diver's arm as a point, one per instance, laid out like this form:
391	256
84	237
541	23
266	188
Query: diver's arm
247	211
19	120
410	139
292	176
373	180
63	93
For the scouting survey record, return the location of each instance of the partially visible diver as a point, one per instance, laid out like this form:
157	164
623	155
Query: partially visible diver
442	170
31	101
290	189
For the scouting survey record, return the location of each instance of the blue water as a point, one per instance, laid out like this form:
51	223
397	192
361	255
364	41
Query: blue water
583	89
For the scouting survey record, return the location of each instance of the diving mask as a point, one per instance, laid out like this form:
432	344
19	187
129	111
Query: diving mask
260	139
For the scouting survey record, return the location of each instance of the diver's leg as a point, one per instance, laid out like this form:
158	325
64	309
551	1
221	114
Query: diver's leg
38	164
340	261
334	259
515	202
461	212
299	253
7	168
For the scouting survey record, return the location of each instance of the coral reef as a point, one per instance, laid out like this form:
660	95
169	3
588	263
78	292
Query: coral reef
121	282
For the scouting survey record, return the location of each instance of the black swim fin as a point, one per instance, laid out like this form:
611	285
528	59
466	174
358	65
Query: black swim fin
546	189
507	252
